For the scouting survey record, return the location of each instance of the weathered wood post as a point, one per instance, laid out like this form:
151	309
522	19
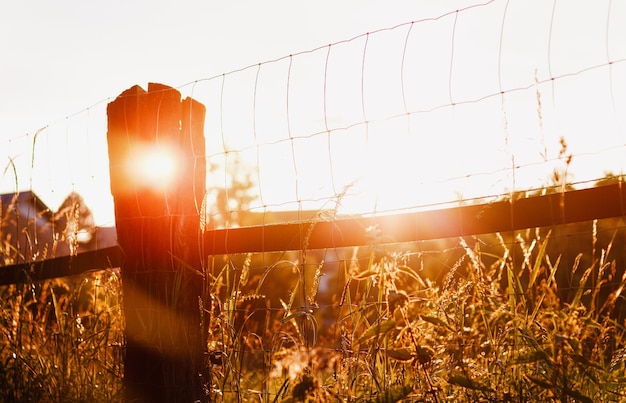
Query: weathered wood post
157	217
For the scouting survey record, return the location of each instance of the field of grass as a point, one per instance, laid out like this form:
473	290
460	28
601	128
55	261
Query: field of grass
493	323
62	340
493	332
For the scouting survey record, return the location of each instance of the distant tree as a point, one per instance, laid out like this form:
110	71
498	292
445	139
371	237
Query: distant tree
224	205
609	178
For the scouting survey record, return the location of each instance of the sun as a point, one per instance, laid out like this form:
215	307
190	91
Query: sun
153	166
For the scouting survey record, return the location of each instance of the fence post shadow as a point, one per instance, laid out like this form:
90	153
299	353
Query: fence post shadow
158	227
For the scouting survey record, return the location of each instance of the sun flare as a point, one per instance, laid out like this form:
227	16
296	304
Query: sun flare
153	166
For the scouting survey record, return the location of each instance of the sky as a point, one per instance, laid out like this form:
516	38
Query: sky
60	57
62	62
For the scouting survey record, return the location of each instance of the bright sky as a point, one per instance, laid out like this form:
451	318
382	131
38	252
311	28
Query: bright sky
60	59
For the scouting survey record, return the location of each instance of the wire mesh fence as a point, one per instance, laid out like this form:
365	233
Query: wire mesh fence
459	105
390	122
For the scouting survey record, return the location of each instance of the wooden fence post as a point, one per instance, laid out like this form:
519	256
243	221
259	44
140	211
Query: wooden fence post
158	230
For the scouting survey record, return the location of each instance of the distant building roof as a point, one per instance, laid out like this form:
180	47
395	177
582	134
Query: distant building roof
30	230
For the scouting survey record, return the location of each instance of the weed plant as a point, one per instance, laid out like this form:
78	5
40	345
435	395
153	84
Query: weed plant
494	329
62	340
496	326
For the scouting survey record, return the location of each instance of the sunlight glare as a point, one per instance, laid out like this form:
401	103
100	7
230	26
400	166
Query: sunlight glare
153	166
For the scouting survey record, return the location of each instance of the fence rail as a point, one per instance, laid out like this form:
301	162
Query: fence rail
600	202
539	211
62	266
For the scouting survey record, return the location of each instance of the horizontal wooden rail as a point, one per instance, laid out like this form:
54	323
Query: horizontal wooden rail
63	266
501	216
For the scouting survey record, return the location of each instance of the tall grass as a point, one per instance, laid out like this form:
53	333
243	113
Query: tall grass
62	340
371	324
493	332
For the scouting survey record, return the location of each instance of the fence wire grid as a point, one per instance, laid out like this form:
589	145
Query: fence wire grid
385	121
512	98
